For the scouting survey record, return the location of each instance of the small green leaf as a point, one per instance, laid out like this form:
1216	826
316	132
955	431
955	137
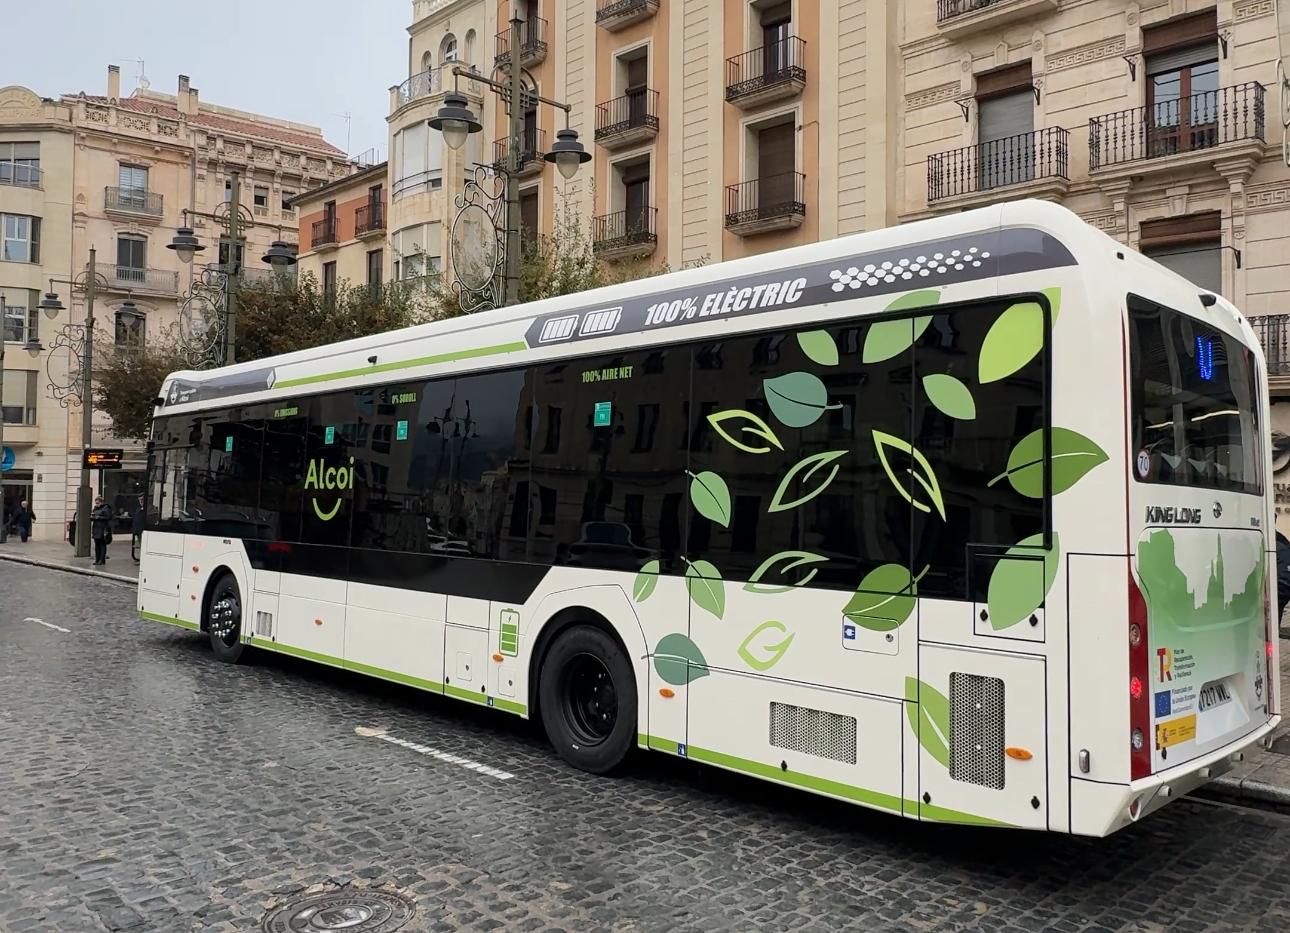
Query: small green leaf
819	347
759	652
755	426
1019	585
1012	341
1073	455
889	338
923	476
1054	296
950	396
646	580
928	712
711	497
884	600
781	565
706	588
679	660
801	473
797	399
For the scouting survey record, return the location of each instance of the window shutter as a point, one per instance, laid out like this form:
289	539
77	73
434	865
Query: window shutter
1200	265
1178	59
1181	32
1002	117
1003	81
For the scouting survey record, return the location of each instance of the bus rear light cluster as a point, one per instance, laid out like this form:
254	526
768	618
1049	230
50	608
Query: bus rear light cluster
1139	678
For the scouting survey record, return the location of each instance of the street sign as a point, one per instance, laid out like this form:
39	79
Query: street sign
102	459
8	460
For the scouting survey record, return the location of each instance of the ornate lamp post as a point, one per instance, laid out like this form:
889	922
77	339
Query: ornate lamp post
33	347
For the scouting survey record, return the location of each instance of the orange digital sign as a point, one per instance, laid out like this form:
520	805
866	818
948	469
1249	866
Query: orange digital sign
102	459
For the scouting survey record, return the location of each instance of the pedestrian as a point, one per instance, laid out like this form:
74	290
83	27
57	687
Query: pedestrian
23	518
136	529
1283	580
101	530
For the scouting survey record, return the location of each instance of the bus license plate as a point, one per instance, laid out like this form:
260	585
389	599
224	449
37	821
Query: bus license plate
1212	695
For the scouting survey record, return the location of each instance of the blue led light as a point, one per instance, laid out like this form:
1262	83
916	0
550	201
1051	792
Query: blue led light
1205	357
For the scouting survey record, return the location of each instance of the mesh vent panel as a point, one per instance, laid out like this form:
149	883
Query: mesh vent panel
976	730
264	624
813	732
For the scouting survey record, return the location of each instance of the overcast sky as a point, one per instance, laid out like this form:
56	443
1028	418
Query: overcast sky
302	60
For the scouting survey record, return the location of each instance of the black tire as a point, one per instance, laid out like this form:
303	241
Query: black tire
224	620
587	697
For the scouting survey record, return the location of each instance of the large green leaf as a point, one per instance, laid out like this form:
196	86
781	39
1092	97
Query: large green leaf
797	399
928	712
801	480
1073	455
760	650
754	425
819	347
950	396
884	600
1012	341
646	580
706	587
923	475
1021	581
889	338
780	565
710	496
679	660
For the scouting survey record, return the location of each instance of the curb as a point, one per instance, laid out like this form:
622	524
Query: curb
1233	788
83	571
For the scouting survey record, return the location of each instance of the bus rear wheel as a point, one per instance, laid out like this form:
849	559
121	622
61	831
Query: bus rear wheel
224	620
587	695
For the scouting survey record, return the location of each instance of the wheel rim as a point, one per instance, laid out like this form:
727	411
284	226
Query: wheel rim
226	618
589	699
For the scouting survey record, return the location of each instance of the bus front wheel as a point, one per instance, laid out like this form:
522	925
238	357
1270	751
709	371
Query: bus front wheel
587	696
224	620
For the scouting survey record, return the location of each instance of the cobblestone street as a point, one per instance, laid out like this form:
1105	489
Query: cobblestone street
146	787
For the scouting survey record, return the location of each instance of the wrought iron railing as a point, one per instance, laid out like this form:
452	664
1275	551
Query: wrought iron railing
424	84
999	163
612	9
1201	121
324	232
1273	331
142	279
532	149
135	200
20	175
625	228
762	199
948	9
634	110
369	217
777	62
532	40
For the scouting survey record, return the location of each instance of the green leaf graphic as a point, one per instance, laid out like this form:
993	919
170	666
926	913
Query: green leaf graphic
797	399
928	713
950	396
884	600
707	589
1012	341
645	581
1054	296
679	660
1019	586
755	426
819	347
801	473
923	476
759	651
711	496
888	338
1073	456
781	565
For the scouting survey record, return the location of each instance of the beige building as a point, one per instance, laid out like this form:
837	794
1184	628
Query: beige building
115	174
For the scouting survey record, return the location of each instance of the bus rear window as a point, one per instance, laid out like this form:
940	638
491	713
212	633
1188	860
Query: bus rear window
1195	405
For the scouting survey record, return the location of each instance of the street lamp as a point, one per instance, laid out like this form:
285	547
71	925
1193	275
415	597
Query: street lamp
33	347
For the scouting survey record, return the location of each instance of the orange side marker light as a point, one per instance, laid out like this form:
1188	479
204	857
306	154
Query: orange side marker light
497	658
666	693
317	621
1018	754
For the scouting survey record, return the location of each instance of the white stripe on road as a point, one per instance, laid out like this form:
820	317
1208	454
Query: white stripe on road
56	628
426	750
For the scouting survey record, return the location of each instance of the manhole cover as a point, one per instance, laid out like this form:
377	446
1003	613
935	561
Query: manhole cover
348	911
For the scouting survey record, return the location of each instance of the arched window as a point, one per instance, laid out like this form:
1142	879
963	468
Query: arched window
448	48
470	47
427	60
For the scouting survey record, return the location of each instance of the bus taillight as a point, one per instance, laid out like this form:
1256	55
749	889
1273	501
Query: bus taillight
1139	677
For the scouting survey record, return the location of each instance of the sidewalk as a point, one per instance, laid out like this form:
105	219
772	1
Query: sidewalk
59	555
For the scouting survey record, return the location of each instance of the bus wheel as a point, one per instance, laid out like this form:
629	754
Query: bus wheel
587	695
224	620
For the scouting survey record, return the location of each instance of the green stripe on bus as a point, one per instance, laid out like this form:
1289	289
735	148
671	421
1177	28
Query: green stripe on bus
169	620
405	364
297	652
394	676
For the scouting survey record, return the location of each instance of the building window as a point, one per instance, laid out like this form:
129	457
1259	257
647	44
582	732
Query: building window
427	61
776	21
228	190
773	153
19	397
375	262
223	251
469	56
1189	246
329	279
261	196
1005	126
529	212
130	330
21	316
448	49
286	201
131	255
21	241
132	179
20	164
1182	83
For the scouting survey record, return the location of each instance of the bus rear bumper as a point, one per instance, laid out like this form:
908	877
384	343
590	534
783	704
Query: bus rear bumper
1099	809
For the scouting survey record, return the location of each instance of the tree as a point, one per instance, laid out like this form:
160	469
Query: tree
127	380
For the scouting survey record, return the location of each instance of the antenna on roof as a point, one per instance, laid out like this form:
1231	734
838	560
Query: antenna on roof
141	79
348	118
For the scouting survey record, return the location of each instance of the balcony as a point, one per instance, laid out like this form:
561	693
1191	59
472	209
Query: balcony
614	15
131	279
532	43
425	84
775	202
626	120
532	150
369	220
133	202
323	234
1185	133
625	234
772	72
20	175
957	18
1028	165
1273	331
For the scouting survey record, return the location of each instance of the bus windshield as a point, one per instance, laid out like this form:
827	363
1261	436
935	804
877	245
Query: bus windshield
1194	403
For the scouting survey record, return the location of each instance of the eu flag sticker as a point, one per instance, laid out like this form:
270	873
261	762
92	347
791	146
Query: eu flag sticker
1164	704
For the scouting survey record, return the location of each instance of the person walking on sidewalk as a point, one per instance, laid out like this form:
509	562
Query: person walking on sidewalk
101	530
23	518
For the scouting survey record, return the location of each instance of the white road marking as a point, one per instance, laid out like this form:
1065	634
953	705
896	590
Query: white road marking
468	764
56	628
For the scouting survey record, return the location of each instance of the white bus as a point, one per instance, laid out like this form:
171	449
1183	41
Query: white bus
966	520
